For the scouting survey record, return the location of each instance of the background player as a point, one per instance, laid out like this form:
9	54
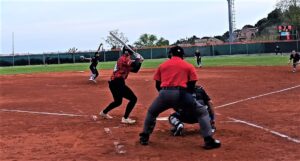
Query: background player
94	62
202	101
198	58
295	57
118	87
278	50
174	79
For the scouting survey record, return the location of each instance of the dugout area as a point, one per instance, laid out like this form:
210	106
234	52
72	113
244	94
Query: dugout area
265	100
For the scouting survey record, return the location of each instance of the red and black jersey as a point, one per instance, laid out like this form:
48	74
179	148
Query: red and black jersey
122	68
295	57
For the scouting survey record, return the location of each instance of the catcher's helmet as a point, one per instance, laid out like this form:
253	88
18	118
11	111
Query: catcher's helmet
176	51
125	50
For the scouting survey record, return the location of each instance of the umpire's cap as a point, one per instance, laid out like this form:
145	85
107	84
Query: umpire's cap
125	50
176	51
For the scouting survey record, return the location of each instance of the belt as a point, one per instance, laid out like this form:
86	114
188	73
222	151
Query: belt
174	88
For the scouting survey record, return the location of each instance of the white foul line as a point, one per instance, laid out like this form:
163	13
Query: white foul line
43	113
265	129
166	118
254	97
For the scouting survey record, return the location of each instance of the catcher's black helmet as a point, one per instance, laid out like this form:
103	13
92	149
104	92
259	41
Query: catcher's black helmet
125	50
176	51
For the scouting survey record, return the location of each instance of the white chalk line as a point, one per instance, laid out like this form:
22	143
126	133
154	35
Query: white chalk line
166	118
251	124
265	129
43	113
258	96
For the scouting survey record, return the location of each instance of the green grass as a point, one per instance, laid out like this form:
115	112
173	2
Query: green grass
237	60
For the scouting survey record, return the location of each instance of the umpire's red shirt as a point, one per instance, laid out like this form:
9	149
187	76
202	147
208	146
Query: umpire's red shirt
122	68
175	72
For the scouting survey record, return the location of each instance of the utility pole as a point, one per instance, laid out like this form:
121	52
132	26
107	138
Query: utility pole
231	16
13	48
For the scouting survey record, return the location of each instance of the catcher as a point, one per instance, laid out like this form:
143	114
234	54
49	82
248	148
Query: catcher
94	62
202	100
295	57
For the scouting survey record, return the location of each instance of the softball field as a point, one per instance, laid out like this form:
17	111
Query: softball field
47	117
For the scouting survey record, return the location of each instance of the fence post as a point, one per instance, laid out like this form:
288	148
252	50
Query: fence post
104	57
28	59
151	53
247	48
13	60
73	54
297	45
166	52
58	59
44	60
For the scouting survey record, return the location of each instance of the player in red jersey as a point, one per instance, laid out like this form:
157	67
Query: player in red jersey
118	87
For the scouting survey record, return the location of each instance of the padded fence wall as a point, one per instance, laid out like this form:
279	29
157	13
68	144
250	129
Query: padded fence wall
151	53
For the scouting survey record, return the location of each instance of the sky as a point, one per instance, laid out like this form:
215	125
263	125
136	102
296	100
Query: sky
56	25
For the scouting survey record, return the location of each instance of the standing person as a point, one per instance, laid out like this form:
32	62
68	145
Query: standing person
118	87
278	50
93	67
177	119
174	79
296	58
198	58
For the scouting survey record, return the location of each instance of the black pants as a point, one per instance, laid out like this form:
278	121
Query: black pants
94	71
198	61
119	91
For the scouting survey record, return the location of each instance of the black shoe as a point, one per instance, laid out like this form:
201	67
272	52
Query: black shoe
144	139
178	130
211	143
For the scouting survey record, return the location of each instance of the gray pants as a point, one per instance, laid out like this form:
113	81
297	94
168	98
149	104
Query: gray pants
179	100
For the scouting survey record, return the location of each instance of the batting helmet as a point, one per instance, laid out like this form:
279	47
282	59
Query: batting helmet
176	51
97	54
125	50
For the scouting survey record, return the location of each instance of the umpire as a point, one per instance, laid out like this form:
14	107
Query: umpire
175	79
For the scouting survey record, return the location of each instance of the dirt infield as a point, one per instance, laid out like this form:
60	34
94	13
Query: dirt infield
263	127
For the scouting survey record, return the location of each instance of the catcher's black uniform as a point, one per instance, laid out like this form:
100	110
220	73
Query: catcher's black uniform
202	101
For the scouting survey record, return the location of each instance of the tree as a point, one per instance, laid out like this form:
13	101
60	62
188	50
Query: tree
275	16
148	40
285	4
190	40
113	42
291	12
162	42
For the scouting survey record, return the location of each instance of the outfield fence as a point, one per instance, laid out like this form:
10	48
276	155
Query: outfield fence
151	53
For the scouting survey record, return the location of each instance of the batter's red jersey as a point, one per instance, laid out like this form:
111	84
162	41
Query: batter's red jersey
122	68
175	72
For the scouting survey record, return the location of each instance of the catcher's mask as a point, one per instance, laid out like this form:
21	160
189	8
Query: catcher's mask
125	50
176	51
